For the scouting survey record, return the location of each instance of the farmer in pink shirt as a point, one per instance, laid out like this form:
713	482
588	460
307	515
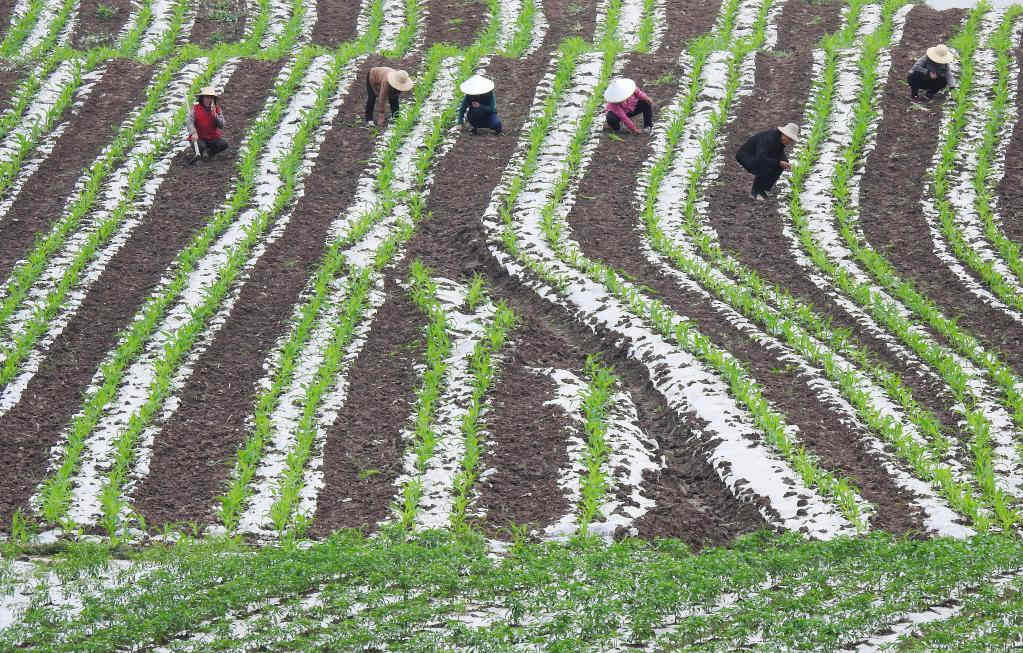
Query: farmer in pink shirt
625	100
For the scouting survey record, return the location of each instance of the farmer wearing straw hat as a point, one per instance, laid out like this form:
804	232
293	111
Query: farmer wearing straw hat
931	72
479	104
625	100
764	156
205	120
384	85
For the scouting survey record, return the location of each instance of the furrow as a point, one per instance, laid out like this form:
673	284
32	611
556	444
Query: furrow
631	456
292	404
437	476
133	392
799	348
118	214
819	208
961	195
737	450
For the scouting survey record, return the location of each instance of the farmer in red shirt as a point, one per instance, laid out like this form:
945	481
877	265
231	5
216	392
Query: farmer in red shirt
625	100
205	120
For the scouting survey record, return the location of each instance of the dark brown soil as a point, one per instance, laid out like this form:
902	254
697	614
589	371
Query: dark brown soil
365	449
567	18
753	231
42	199
209	424
219	21
1010	190
335	22
605	224
186	198
99	22
906	139
455	21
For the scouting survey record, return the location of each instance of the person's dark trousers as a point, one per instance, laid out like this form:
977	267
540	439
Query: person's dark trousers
371	100
483	120
641	107
763	179
918	80
213	147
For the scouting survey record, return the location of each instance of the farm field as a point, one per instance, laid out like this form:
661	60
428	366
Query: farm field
415	388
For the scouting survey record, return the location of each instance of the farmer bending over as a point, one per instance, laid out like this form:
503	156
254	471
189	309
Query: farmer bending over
764	156
384	85
479	104
625	100
205	120
931	72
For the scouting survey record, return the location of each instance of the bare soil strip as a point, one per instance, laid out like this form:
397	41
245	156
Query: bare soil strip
219	21
209	424
454	21
752	231
187	196
364	451
335	22
890	196
99	22
43	197
1011	187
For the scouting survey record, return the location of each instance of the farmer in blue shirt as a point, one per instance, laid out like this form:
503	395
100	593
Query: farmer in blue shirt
479	104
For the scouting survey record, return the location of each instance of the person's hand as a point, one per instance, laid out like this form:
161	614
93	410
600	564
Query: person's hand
785	165
934	75
475	105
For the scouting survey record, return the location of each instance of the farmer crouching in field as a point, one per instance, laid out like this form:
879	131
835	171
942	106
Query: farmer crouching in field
383	86
479	105
764	156
625	100
205	120
931	72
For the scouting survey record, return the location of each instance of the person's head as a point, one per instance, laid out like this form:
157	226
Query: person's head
940	54
207	96
477	85
399	80
789	133
619	90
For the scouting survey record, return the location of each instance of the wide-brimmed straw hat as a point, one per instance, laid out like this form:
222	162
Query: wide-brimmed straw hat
619	90
399	80
791	130
477	85
940	54
208	90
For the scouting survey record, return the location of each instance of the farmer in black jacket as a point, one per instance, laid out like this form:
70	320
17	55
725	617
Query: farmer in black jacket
764	156
931	72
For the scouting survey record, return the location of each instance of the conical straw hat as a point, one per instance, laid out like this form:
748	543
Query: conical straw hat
477	85
940	54
399	79
619	90
207	90
792	129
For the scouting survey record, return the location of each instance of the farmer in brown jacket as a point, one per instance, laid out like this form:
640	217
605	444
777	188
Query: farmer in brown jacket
383	86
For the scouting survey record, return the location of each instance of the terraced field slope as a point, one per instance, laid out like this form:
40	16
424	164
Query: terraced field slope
373	343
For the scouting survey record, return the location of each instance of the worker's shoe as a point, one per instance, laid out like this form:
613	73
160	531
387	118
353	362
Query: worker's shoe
648	129
753	195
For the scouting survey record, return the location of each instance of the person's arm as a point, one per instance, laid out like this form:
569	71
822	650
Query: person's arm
643	96
462	108
616	108
218	116
193	133
949	76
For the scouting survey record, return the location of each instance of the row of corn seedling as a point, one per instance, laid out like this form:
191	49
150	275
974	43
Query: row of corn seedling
675	242
56	491
365	238
962	160
662	318
809	226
